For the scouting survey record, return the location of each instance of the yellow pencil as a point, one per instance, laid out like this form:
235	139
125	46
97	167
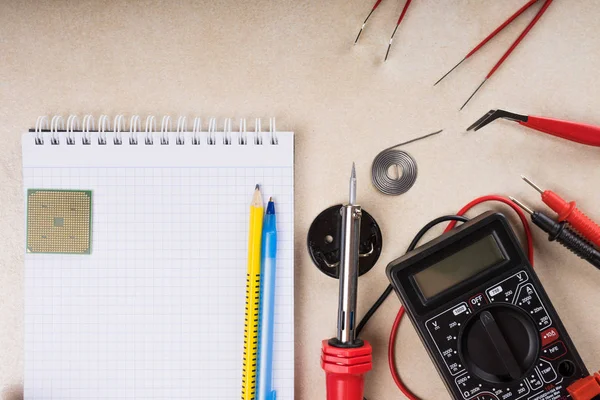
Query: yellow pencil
252	297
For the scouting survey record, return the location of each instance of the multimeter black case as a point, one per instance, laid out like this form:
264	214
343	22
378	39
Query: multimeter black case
493	335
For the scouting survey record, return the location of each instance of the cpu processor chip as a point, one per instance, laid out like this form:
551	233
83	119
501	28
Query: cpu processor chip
59	221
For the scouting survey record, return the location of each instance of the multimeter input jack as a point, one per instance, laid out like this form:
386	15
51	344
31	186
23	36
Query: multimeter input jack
566	368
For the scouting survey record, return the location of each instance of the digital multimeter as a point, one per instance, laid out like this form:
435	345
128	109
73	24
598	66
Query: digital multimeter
484	316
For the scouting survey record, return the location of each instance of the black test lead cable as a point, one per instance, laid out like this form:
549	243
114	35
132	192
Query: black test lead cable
567	237
411	246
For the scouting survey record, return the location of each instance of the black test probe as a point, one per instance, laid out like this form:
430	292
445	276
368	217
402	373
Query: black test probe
563	235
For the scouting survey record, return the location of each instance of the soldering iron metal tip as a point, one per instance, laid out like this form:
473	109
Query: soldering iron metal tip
257	187
352	199
533	185
522	205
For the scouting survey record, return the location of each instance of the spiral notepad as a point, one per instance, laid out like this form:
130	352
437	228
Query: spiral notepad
156	309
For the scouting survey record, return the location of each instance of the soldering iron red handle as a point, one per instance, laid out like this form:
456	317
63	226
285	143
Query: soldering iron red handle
345	369
573	131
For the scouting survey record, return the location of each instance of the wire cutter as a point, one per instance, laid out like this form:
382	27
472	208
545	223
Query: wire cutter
573	131
510	49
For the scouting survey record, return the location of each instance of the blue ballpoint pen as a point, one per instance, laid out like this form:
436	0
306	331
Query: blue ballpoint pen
264	390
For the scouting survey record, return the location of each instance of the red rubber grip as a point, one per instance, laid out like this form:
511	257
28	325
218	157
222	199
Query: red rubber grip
345	369
573	131
567	211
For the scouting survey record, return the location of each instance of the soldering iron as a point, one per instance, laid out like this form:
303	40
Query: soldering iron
346	358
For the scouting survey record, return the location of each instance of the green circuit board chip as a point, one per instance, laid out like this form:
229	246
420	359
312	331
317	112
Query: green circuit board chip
59	221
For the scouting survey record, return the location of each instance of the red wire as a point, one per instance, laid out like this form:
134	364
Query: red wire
396	325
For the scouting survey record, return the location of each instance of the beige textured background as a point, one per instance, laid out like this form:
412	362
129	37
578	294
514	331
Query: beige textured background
295	60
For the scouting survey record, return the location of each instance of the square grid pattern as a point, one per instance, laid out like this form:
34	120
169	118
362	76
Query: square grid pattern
157	310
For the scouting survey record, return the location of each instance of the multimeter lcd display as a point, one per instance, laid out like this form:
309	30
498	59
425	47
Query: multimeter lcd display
459	267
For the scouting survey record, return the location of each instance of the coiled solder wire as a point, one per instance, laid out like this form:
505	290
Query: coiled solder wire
391	157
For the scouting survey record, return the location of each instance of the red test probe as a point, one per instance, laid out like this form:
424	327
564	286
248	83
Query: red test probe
568	211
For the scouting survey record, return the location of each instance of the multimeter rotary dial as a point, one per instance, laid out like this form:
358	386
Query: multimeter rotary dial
499	343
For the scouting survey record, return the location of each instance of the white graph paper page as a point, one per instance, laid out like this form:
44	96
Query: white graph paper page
156	311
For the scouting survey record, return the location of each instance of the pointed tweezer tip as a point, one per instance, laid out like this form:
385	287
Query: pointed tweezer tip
358	36
474	126
483	121
387	53
472	95
448	73
442	78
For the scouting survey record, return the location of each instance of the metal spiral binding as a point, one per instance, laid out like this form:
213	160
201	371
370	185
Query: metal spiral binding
243	136
40	125
196	129
211	139
181	127
88	121
72	131
227	132
150	123
134	127
72	124
273	132
165	128
118	124
57	123
103	126
258	139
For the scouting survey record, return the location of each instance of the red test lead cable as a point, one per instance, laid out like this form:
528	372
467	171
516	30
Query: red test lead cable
396	325
568	211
